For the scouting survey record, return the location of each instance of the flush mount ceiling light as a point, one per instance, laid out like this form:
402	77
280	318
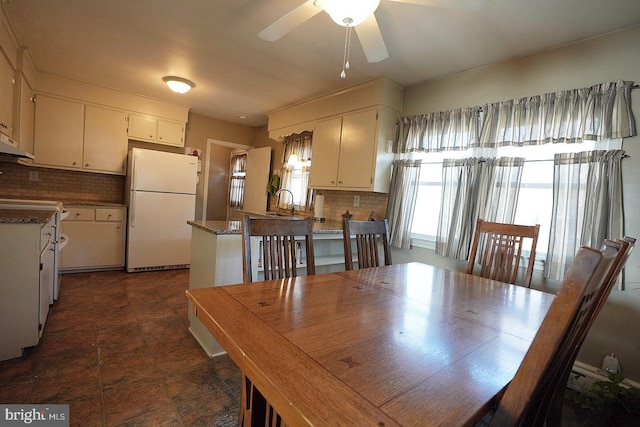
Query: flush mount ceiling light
178	84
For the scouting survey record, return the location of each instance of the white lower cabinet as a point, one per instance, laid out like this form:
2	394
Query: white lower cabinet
26	263
96	238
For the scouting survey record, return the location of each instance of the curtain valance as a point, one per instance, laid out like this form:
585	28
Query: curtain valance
298	144
596	113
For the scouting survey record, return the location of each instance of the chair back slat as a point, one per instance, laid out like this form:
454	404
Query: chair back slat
279	246
543	371
499	250
368	235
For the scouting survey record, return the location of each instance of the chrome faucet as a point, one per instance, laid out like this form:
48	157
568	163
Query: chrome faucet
277	193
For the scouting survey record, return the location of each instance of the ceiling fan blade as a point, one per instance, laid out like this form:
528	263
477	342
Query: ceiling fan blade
451	4
291	20
371	39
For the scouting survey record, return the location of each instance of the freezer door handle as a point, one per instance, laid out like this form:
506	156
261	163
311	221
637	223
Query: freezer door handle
132	210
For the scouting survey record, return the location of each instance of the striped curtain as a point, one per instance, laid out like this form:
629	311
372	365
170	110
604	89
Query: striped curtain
475	188
405	178
236	184
587	205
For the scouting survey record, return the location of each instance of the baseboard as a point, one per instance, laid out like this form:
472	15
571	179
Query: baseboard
583	376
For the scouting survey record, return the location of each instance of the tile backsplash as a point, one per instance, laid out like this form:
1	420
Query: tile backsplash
56	184
336	203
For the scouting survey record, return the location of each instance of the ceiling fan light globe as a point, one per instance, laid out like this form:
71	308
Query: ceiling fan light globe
349	13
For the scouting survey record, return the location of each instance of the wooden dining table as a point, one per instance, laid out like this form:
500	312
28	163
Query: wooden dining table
407	344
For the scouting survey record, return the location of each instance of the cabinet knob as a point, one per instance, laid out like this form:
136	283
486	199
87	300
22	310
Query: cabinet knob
86	165
339	182
73	164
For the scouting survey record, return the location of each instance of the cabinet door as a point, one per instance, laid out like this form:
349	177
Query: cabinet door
143	128
357	150
93	244
59	132
326	153
171	133
27	116
105	140
6	96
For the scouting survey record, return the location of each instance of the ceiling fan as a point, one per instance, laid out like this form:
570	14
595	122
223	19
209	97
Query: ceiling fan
358	14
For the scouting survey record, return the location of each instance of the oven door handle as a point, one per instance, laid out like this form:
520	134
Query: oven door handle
63	241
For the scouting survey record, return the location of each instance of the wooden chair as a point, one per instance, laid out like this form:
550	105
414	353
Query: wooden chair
367	234
278	246
502	250
554	396
526	398
280	260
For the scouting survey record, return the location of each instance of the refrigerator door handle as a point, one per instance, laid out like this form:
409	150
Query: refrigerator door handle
132	199
132	210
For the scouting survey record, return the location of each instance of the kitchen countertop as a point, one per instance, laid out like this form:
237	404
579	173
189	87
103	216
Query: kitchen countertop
94	203
72	202
25	216
235	227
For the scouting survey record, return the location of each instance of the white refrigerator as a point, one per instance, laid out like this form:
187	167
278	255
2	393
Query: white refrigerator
161	196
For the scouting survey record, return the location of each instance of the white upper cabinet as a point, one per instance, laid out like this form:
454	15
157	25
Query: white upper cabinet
26	117
105	140
152	129
71	135
59	132
142	128
7	82
349	151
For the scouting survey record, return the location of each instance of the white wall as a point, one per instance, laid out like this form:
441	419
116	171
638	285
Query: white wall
608	58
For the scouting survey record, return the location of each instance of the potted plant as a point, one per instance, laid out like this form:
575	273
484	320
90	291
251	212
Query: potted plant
611	402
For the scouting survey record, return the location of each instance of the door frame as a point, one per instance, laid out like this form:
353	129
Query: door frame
210	142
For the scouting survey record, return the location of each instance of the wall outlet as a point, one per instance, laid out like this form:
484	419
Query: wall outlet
33	176
356	201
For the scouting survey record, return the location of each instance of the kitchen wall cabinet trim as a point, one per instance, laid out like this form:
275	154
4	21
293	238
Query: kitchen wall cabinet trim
96	238
380	91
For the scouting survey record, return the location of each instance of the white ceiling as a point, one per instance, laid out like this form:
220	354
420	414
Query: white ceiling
131	44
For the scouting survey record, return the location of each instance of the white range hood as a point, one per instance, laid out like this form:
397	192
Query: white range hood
10	147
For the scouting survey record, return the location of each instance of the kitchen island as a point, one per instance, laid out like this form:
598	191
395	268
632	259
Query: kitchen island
216	259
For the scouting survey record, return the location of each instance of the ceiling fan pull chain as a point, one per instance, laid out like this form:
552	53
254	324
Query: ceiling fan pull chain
347	51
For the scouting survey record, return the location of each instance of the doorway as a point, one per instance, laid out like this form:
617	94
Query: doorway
216	178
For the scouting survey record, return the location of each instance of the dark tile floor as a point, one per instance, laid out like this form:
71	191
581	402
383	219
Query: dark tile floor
116	348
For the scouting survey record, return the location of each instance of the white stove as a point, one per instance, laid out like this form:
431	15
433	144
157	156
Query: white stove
59	240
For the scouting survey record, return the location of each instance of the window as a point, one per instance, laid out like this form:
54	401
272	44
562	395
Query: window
296	167
236	183
536	189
